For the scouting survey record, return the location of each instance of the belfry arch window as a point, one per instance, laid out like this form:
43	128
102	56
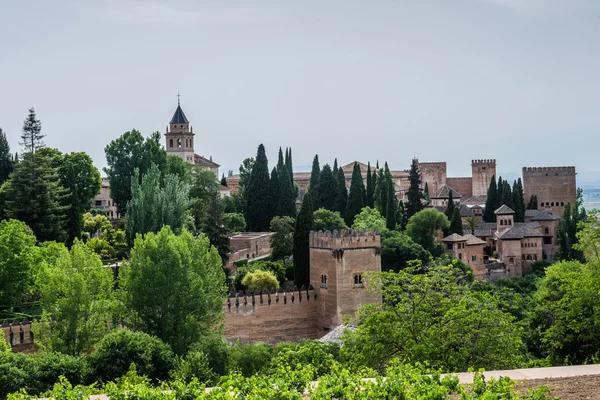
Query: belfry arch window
170	142
178	142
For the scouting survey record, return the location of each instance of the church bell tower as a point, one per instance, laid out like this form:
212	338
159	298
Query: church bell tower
180	136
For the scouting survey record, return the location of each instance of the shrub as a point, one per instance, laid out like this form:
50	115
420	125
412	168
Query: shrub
321	356
119	349
194	365
250	358
260	280
216	350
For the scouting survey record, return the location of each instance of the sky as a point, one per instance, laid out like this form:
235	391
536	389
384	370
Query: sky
441	80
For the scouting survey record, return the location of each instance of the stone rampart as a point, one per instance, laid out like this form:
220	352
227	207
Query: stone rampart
17	333
344	239
482	172
553	186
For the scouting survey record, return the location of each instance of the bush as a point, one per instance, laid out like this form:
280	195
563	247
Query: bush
321	356
194	365
260	280
216	350
119	349
280	269
250	358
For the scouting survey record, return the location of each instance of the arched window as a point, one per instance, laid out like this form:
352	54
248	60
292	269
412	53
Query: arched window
178	142
562	203
358	281
511	260
170	142
324	281
552	204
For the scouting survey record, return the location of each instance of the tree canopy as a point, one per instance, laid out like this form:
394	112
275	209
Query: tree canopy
423	228
326	220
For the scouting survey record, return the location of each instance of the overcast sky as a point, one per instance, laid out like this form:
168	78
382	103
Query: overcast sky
445	80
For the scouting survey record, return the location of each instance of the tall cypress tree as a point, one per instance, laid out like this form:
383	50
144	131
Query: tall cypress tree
313	187
335	167
327	189
491	201
356	196
257	212
414	194
290	170
341	199
507	197
451	207
370	188
518	201
274	193
223	180
280	160
304	224
6	160
374	185
382	189
426	192
533	204
390	220
455	223
286	201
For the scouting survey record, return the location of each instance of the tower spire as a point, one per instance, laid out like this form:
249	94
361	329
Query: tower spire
178	96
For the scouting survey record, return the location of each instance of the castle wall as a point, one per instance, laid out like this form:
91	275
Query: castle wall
434	174
482	172
464	186
554	187
287	317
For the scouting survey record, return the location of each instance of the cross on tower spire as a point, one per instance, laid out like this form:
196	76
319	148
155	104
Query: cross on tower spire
178	96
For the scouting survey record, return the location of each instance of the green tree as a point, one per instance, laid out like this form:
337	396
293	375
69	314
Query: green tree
414	193
76	297
491	201
426	192
472	223
274	192
433	318
260	280
245	172
507	196
356	196
290	170
456	223
154	205
451	206
16	259
369	219
341	199
286	201
423	228
533	203
174	287
315	178
234	222
335	167
6	160
223	180
213	226
568	227
301	251
178	166
390	219
126	154
256	194
326	220
280	162
398	250
327	189
518	200
202	185
370	188
31	134
282	240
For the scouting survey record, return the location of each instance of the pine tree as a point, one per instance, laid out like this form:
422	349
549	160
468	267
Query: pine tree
274	193
490	203
257	212
390	220
31	135
518	201
313	186
533	204
223	181
356	196
341	199
286	201
370	188
304	224
6	160
335	167
451	207
327	189
456	223
414	193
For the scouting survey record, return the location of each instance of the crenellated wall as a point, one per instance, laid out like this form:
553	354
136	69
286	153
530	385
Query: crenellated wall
481	173
554	186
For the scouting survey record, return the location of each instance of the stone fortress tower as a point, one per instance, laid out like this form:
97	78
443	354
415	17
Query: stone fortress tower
481	174
553	186
338	262
180	136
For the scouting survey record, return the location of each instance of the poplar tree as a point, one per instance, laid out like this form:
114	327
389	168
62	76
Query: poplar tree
390	220
301	251
274	191
356	196
313	187
414	193
327	189
286	201
491	201
6	160
456	223
341	199
256	194
370	188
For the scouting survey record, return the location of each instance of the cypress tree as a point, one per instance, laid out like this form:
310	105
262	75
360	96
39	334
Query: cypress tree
451	207
390	220
456	223
507	197
335	167
6	160
381	205
286	201
414	193
369	201
274	194
313	187
426	192
304	224
401	215
257	212
280	160
327	189
532	205
290	170
518	201
342	192
356	196
500	194
223	181
490	203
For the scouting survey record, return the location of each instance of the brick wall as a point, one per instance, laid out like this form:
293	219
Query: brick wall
464	186
554	187
482	172
434	174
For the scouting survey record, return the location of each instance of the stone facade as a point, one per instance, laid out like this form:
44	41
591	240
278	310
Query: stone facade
468	249
553	186
434	173
481	173
250	245
462	186
103	201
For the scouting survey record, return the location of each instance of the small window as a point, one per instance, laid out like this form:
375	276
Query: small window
546	230
562	203
509	222
358	280
511	260
535	257
170	142
552	204
460	256
449	246
324	281
473	258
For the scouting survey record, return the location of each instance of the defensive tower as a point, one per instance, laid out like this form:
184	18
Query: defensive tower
553	186
481	173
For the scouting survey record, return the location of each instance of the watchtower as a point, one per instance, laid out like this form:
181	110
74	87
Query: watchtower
553	186
481	173
338	262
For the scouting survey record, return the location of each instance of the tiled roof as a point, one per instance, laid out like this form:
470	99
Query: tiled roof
479	200
485	229
473	240
204	162
466	212
444	192
518	232
504	210
543	215
179	116
455	237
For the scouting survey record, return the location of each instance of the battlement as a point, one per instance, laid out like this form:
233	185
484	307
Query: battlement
349	239
434	164
487	162
549	170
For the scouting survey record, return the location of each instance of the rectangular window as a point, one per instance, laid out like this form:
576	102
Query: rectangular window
473	258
